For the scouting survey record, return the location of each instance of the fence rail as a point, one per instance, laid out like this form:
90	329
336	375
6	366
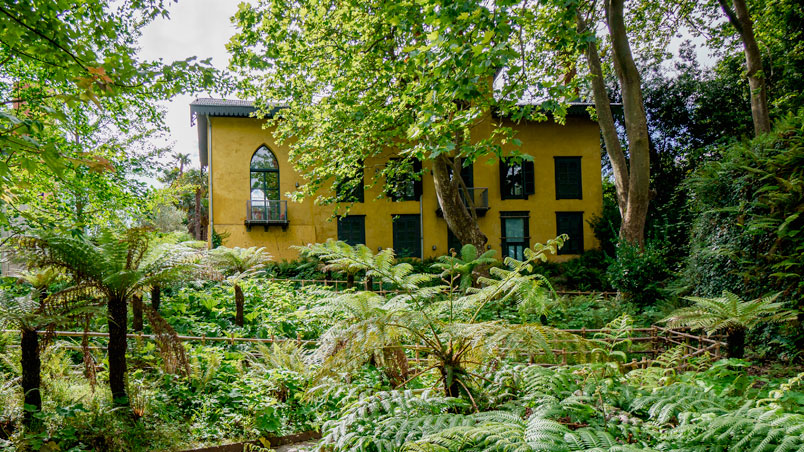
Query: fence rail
658	340
376	286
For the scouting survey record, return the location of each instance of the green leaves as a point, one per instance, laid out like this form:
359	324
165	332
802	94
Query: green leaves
729	312
415	78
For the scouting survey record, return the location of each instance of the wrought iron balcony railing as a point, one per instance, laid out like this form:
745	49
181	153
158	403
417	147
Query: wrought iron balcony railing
267	212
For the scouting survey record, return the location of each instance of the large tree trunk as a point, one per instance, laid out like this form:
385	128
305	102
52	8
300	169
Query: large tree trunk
636	125
136	312
239	301
459	220
31	380
740	19
118	320
605	120
156	297
735	344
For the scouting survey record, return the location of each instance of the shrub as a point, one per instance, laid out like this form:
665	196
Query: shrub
747	236
639	273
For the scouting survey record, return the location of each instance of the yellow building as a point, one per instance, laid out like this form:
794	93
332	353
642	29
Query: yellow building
517	204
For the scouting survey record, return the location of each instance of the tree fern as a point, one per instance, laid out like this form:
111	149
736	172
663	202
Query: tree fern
664	404
730	314
110	265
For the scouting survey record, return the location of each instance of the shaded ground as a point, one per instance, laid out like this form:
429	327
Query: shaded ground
298	447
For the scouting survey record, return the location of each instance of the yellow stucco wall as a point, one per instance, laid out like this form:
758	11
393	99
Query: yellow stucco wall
234	140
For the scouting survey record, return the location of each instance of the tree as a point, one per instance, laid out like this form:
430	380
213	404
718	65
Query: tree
238	264
64	67
182	160
632	175
22	312
422	81
740	18
188	191
115	266
332	262
442	319
30	313
731	315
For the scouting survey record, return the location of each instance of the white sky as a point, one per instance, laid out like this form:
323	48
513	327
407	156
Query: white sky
196	28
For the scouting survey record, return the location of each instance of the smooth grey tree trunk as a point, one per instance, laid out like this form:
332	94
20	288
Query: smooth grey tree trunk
740	19
636	125
459	220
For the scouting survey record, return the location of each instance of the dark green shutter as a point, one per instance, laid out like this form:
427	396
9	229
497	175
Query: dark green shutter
417	188
570	223
568	178
529	182
352	229
357	194
468	175
407	235
504	190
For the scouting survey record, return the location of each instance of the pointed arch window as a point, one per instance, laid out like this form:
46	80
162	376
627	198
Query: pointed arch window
264	176
264	206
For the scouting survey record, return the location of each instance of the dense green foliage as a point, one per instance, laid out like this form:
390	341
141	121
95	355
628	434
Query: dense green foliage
583	409
747	235
349	386
441	359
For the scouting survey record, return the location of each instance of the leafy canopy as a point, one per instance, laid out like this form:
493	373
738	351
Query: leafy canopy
416	79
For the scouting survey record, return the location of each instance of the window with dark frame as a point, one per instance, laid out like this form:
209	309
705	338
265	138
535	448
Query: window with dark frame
405	187
516	179
407	235
352	229
515	236
568	178
350	189
467	174
264	183
570	223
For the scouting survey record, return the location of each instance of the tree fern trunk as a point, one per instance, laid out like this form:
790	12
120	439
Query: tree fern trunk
31	367
118	319
451	386
395	365
156	297
239	301
136	312
735	344
350	280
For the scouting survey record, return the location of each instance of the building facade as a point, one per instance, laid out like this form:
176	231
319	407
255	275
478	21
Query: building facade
518	203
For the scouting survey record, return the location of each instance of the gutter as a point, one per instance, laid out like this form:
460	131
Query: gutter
209	183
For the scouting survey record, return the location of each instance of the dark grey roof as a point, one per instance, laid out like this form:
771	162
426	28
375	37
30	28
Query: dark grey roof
201	109
208	101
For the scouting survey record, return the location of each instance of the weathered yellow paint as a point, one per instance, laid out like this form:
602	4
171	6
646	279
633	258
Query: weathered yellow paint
234	140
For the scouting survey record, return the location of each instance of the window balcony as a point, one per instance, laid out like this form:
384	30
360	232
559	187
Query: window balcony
479	197
268	212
